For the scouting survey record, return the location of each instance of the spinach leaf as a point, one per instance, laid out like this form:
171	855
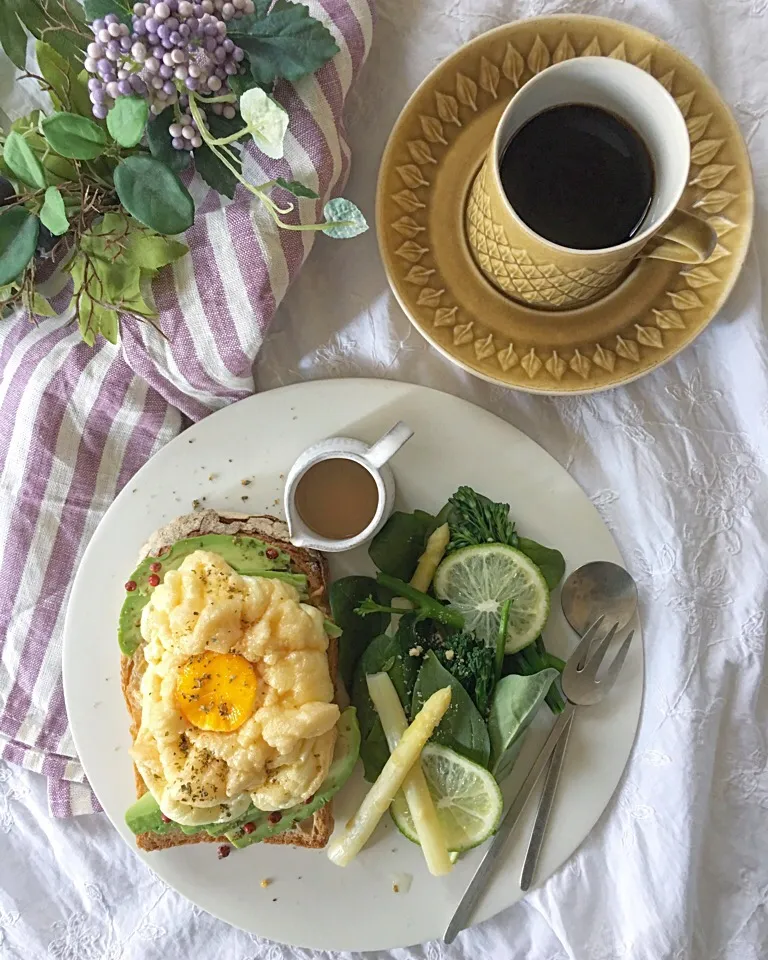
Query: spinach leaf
374	752
533	659
469	660
396	548
357	632
390	655
443	517
515	703
462	728
551	562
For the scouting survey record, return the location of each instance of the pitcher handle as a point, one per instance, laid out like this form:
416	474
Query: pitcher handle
385	448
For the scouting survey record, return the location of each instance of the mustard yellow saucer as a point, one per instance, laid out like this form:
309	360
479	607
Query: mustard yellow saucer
436	149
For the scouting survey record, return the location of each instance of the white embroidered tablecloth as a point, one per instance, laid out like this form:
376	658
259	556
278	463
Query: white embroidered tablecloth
677	868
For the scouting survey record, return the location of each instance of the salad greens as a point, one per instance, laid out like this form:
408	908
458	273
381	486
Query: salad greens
385	654
550	562
424	644
514	706
396	548
475	519
467	659
425	606
532	660
462	728
344	596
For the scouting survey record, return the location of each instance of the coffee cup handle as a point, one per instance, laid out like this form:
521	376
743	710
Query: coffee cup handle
684	238
386	447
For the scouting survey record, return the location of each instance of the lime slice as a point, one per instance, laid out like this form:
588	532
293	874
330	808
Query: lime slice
478	580
467	799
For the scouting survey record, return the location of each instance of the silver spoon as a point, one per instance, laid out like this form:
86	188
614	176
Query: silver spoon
597	589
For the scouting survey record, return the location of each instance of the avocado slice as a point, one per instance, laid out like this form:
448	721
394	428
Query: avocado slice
145	816
246	555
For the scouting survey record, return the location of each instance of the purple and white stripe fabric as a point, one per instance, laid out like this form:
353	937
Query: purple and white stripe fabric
76	423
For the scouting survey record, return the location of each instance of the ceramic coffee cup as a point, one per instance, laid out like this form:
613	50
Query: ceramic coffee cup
536	271
373	457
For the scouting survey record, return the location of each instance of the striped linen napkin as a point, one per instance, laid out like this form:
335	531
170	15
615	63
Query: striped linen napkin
76	423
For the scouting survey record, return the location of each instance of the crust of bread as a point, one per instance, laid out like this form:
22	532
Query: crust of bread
315	831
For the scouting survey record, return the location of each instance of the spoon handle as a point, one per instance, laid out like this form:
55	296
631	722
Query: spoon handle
545	806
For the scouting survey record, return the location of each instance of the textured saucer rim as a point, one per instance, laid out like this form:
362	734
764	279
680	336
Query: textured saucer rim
661	325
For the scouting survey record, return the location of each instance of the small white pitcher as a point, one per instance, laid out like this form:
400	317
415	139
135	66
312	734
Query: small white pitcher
373	457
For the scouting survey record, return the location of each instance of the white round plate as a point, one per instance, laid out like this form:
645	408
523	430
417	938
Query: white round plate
311	902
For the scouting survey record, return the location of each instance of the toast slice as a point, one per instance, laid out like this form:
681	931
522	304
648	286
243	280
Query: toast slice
316	830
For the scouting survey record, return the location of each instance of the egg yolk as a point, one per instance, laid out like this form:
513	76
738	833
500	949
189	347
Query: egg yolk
217	691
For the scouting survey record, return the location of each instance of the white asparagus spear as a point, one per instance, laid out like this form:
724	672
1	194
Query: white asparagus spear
417	795
359	829
429	561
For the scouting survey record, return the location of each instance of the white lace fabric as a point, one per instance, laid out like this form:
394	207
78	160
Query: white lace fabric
677	463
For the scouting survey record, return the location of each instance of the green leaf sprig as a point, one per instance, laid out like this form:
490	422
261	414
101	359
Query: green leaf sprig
107	191
285	42
113	258
59	23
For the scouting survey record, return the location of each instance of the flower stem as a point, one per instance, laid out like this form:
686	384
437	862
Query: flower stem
219	149
224	98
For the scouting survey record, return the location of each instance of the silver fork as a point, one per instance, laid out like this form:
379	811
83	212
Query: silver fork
547	798
581	688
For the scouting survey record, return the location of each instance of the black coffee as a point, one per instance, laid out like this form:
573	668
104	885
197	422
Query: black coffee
579	176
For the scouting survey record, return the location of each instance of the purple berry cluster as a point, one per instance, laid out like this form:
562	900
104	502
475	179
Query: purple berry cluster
174	46
106	57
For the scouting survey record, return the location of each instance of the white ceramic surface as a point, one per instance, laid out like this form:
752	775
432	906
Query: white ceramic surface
625	90
373	457
311	902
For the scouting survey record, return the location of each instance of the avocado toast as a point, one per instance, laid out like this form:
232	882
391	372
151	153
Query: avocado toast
253	546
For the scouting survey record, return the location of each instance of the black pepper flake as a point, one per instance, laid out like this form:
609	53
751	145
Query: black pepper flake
243	498
195	504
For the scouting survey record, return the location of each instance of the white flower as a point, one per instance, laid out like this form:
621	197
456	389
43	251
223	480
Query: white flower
266	120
